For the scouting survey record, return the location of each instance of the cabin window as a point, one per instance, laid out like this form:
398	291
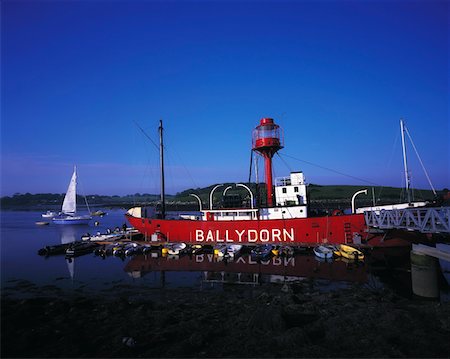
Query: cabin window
295	189
284	189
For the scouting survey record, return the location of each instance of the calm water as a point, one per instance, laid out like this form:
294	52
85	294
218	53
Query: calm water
21	238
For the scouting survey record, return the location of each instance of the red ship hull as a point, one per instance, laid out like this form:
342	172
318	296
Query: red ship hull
295	231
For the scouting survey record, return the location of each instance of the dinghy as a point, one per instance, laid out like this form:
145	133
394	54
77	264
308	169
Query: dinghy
324	252
131	248
69	208
349	252
111	237
78	248
262	252
118	249
49	214
234	249
196	249
220	250
105	250
53	250
286	251
175	248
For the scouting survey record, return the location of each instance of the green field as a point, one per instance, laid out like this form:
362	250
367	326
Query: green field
339	194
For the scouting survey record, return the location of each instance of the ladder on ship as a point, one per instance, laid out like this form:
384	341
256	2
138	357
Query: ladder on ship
348	233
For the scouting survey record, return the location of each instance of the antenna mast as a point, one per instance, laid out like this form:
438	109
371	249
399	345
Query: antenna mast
161	162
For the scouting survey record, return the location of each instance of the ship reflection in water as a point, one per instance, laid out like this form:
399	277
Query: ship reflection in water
383	267
247	270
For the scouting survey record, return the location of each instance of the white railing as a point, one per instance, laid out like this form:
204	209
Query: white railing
425	220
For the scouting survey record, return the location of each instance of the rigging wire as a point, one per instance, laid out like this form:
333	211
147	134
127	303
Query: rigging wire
251	165
168	151
332	170
80	185
285	163
151	164
145	134
420	160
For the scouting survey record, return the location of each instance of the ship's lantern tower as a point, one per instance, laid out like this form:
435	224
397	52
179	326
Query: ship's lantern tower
267	140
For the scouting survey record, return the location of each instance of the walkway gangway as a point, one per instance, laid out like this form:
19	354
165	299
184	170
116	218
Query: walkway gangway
425	220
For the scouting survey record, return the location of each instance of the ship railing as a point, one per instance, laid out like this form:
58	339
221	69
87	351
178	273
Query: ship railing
232	213
282	181
425	220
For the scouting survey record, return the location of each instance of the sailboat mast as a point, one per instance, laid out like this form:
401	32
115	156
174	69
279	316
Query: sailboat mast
161	162
405	162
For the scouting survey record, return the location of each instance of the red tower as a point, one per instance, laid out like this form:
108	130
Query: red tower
267	140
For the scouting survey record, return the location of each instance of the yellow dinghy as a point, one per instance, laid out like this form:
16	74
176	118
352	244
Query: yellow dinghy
349	252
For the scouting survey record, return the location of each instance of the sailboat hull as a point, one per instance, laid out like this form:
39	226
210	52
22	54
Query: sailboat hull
72	220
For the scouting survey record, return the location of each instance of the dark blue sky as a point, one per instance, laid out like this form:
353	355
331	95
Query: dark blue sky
337	76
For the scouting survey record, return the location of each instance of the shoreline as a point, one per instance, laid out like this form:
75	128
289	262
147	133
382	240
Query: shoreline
294	320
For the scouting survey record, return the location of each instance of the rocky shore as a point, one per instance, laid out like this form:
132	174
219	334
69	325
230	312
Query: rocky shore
255	322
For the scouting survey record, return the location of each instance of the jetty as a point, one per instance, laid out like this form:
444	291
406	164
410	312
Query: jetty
425	220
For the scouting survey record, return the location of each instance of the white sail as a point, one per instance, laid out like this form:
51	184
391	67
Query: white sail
70	200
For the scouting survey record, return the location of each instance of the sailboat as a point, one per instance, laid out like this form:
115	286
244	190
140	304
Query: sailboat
69	208
410	203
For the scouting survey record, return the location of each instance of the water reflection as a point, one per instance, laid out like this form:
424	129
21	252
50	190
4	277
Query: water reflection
246	270
68	235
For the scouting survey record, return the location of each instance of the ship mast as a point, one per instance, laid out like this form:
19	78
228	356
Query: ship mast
161	163
405	162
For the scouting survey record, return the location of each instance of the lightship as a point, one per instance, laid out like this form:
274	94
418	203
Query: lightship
283	221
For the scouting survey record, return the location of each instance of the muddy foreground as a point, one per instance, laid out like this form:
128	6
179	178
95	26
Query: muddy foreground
265	321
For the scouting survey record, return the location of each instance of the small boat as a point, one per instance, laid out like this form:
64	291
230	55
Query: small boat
131	248
98	213
102	237
349	252
262	252
118	249
53	250
220	250
49	214
175	248
324	251
79	248
286	251
146	248
234	249
69	208
196	248
104	250
130	233
42	223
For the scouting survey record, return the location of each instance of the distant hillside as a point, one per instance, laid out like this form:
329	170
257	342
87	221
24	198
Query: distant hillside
319	196
51	200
